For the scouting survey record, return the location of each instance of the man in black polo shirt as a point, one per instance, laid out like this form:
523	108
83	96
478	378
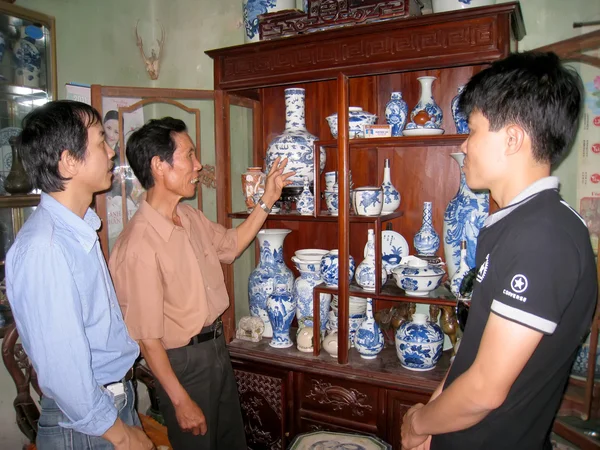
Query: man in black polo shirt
536	288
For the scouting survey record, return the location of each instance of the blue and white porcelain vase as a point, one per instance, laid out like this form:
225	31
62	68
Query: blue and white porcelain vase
427	103
27	57
460	119
310	276
306	201
391	196
419	343
463	269
368	339
365	272
281	309
253	8
464	217
396	113
427	241
270	271
330	267
295	143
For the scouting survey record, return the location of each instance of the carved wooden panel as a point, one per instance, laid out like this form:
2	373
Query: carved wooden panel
398	404
262	402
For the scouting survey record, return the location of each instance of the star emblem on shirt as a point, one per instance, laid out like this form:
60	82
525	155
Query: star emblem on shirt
519	283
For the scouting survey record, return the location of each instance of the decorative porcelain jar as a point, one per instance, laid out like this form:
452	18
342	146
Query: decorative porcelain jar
310	276
419	343
464	217
450	5
270	271
460	119
330	266
426	240
369	339
418	281
432	113
281	308
253	8
304	339
391	196
396	113
253	186
368	200
27	56
295	143
365	272
356	119
306	201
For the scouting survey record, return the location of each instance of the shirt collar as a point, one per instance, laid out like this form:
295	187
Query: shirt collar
84	230
161	225
543	184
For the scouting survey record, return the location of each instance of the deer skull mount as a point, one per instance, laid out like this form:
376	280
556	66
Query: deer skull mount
152	62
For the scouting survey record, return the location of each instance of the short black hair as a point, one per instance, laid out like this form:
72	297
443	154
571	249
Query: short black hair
153	139
47	132
535	91
111	115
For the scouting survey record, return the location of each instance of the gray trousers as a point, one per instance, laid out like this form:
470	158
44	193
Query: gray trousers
205	372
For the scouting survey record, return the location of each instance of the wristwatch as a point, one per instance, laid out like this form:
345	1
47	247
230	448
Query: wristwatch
264	206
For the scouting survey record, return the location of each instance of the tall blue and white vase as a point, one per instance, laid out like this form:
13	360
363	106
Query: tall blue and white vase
253	8
427	241
419	343
310	276
427	103
368	339
464	217
27	56
460	119
295	143
281	308
391	196
306	201
270	271
396	112
365	272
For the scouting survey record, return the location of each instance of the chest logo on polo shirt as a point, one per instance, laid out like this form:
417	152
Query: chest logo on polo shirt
519	283
483	269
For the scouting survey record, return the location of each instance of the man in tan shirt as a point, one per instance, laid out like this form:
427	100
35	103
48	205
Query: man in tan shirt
166	267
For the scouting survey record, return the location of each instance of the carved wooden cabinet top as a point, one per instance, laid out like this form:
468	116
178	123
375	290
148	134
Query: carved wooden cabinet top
464	37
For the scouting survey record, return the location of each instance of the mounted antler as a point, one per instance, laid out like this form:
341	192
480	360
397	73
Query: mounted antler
152	62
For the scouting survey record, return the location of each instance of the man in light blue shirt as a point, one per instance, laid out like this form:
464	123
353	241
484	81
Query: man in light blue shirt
61	293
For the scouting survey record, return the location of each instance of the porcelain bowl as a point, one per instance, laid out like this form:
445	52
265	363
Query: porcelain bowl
356	119
310	254
418	281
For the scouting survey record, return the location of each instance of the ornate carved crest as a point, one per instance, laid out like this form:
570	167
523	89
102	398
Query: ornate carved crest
339	398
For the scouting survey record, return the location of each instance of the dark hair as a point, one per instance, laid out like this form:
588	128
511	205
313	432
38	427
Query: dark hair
111	115
535	91
47	132
153	139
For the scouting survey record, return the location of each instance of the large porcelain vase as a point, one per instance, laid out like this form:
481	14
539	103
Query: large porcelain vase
253	8
270	272
427	103
295	143
310	276
27	57
463	219
281	308
419	343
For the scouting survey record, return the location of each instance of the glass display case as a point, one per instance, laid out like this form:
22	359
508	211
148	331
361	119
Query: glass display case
27	80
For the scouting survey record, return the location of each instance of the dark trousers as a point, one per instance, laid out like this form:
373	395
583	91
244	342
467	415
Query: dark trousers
205	372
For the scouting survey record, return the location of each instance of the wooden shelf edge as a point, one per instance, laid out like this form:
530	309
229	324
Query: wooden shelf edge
394	294
322	217
400	141
19	201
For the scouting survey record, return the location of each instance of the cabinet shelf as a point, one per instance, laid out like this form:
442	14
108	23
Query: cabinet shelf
391	292
29	93
19	201
324	216
401	141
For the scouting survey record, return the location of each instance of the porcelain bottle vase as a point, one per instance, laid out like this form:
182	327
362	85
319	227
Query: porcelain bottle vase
281	309
295	143
368	339
396	113
391	196
253	186
17	180
464	217
365	271
251	9
426	240
306	201
310	276
270	271
427	103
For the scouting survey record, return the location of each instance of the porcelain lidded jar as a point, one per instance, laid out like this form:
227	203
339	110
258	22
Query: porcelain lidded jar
356	119
330	266
396	112
368	339
281	309
295	143
391	196
365	272
419	343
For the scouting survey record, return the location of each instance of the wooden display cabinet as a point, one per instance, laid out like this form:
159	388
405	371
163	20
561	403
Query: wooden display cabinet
357	66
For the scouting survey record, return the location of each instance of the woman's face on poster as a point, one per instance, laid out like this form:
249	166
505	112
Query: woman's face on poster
111	130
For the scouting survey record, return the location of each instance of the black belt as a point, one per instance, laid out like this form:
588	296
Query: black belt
128	376
212	331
